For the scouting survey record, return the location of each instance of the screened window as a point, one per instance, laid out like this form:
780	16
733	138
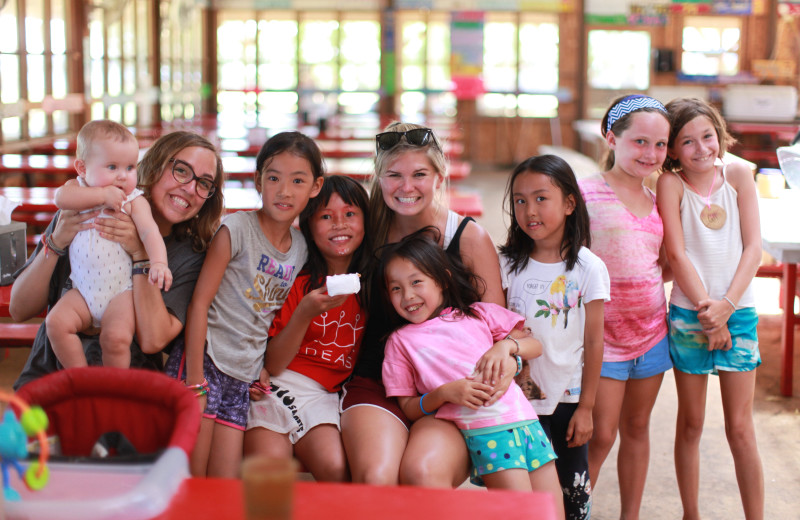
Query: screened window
619	59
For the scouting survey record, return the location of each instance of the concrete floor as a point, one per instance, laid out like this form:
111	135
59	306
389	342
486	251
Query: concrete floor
777	418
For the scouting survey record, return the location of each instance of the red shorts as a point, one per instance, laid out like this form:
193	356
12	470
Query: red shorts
363	391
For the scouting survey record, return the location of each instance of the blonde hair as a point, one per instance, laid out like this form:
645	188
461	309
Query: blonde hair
155	162
100	129
380	214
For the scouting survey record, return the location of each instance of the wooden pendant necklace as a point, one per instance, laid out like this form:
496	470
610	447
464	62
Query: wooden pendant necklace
712	216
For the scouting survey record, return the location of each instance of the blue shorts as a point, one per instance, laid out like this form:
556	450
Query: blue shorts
688	345
228	399
522	445
653	362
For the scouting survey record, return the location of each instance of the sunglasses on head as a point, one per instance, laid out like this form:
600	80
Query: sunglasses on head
415	137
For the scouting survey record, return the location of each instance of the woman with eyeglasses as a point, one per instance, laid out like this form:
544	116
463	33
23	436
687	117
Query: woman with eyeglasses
408	194
181	177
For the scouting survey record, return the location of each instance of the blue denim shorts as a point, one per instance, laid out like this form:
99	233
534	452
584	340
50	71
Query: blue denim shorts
654	361
513	446
688	345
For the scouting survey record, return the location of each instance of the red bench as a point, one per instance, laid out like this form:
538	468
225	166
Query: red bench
14	334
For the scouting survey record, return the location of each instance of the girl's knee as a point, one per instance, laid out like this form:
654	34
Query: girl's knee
741	435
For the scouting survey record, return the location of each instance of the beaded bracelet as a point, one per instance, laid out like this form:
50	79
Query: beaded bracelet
421	407
49	245
199	389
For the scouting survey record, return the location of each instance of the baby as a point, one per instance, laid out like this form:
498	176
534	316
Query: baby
101	269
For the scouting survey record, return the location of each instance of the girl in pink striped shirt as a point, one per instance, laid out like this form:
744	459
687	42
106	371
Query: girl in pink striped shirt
627	235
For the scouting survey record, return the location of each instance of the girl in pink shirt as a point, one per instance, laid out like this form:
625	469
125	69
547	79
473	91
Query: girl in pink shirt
433	364
627	235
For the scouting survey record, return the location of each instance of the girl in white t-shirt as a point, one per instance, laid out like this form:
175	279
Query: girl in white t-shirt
559	286
433	364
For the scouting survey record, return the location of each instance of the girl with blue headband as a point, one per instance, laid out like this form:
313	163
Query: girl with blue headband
628	236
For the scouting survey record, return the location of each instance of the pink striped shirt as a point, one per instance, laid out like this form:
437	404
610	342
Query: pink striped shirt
635	317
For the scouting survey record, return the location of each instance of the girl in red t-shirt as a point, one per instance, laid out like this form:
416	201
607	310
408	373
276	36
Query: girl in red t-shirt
314	340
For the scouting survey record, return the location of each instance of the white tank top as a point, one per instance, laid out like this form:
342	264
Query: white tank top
714	253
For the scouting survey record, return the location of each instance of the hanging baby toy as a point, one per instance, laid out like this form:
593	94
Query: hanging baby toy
13	445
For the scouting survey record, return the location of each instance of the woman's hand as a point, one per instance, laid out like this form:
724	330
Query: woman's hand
68	225
121	229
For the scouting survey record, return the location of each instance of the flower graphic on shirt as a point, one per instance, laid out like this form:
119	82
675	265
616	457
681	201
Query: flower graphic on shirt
564	295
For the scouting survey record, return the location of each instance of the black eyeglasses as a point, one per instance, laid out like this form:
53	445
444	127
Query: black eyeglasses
184	173
415	137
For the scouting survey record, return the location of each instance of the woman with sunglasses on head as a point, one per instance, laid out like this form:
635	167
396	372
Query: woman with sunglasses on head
407	194
181	177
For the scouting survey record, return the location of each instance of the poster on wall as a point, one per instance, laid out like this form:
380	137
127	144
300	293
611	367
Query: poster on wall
789	8
466	53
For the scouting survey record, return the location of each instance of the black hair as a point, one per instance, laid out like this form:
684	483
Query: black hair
294	142
351	192
459	285
519	246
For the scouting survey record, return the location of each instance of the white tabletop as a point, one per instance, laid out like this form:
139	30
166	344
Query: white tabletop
780	226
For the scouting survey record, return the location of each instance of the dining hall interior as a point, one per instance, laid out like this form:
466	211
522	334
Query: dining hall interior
498	81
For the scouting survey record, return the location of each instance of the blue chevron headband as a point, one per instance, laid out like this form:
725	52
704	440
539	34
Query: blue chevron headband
631	104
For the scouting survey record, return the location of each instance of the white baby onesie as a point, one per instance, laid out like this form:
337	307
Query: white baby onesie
101	269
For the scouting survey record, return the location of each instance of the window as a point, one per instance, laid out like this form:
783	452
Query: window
710	46
274	65
619	60
423	68
520	65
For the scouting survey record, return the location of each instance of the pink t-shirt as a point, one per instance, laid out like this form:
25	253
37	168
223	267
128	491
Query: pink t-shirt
421	357
636	315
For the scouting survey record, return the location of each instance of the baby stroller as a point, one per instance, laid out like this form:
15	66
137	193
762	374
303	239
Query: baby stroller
145	424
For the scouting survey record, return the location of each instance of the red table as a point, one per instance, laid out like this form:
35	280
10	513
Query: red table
223	499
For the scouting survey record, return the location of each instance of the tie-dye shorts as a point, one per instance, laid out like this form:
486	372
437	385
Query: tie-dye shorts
688	345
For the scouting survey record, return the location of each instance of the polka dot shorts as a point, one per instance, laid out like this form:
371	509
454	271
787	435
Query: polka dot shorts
521	446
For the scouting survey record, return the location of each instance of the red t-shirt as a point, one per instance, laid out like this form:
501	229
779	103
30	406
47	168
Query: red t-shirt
330	347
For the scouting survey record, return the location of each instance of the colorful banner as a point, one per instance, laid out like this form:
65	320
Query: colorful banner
466	53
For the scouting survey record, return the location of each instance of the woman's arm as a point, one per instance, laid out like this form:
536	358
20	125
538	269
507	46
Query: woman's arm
217	259
580	426
283	347
30	292
479	254
715	313
155	325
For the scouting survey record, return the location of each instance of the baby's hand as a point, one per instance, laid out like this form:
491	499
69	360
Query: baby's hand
113	197
160	275
466	392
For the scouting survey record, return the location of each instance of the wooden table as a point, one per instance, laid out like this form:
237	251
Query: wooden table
780	237
200	499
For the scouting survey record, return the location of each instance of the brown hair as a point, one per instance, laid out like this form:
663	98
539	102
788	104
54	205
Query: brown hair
155	162
682	111
100	129
380	214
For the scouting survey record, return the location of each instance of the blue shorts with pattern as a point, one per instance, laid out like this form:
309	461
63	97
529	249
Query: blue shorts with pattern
688	345
228	398
522	445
